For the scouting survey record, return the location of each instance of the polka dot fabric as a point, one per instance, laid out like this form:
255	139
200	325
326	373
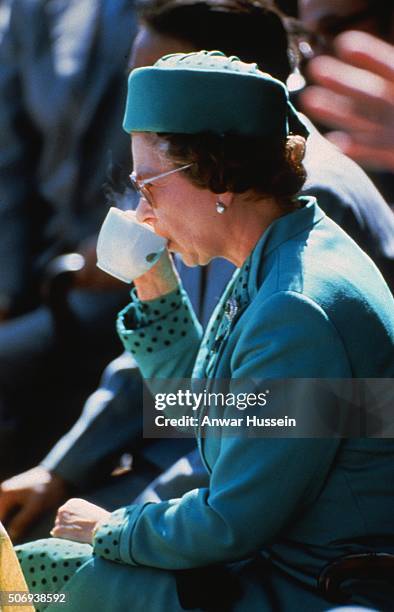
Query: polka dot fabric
49	564
106	541
150	326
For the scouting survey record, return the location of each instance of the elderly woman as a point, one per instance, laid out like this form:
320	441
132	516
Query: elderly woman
217	151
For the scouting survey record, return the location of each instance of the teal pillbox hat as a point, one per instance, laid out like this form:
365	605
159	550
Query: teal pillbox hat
206	91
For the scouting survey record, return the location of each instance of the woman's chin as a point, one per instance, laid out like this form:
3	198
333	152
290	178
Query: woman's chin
193	259
173	248
190	259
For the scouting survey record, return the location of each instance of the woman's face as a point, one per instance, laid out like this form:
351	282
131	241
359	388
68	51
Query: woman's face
179	211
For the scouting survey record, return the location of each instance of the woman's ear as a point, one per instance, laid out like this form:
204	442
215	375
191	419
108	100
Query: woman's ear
224	202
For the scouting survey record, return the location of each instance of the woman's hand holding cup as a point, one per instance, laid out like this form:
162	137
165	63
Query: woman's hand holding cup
132	252
159	280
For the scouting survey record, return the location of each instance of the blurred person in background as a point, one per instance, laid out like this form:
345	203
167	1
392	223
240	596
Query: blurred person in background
111	421
354	76
62	63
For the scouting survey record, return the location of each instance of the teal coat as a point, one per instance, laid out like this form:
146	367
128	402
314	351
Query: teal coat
318	308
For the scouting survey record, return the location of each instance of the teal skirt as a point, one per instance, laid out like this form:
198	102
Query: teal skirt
92	584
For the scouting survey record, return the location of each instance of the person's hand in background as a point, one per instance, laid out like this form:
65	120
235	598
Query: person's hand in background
25	497
354	95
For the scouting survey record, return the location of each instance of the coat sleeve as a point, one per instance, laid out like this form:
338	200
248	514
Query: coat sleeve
110	423
257	484
163	335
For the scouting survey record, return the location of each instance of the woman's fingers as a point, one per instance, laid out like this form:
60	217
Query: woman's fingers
76	520
75	533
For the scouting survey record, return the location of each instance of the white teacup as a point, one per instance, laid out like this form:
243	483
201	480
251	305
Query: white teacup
126	248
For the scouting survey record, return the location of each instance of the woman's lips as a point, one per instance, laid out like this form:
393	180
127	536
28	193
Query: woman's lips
150	222
171	245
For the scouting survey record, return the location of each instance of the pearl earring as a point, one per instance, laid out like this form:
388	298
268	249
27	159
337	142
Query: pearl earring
220	207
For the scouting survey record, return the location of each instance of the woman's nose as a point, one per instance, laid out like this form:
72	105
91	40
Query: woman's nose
143	211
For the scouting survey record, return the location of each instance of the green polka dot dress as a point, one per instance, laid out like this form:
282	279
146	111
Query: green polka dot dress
49	564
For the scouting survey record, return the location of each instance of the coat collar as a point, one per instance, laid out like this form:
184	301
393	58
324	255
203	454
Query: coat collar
244	283
280	231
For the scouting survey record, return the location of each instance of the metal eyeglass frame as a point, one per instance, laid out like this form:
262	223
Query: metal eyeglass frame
140	186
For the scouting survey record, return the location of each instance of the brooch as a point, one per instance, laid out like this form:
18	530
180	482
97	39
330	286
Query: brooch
231	309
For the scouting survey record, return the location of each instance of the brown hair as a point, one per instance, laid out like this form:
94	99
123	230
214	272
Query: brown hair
239	164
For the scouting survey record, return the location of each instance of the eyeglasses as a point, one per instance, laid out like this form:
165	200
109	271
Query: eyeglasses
141	186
